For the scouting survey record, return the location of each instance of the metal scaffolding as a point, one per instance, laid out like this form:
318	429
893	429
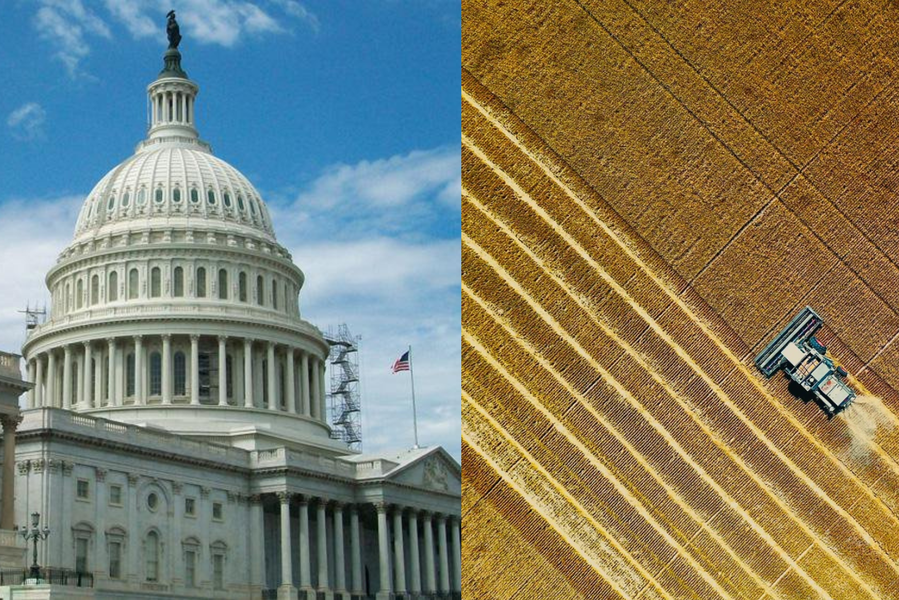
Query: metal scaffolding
344	395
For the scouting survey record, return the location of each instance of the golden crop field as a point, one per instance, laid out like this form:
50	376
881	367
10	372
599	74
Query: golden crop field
650	192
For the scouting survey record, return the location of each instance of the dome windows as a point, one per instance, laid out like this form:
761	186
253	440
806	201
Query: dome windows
126	199
110	204
201	282
178	282
253	207
210	197
194	196
155	282
141	197
240	203
227	198
176	195
159	196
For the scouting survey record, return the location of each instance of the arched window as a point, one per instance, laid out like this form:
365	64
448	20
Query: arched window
158	195
151	555
79	293
129	374
68	295
180	374
260	290
176	195
112	289
178	282
155	374
242	284
223	284
155	282
201	282
133	284
275	294
194	196
210	197
95	290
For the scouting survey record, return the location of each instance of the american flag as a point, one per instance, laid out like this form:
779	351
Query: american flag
402	363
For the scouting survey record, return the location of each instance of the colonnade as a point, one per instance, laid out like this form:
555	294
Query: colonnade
180	369
173	107
436	537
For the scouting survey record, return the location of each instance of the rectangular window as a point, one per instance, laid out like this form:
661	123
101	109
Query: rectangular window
81	555
190	507
82	489
218	571
217	511
115	560
190	568
115	495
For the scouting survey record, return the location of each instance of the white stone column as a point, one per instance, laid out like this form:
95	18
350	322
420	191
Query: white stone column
166	368
321	523
248	373
120	374
31	377
305	547
39	381
322	392
86	375
79	394
457	554
257	542
101	507
443	556
51	379
271	377
291	381
195	370
414	560
140	397
314	406
355	552
383	552
399	555
223	370
98	379
304	384
110	374
67	376
8	491
339	558
286	590
430	570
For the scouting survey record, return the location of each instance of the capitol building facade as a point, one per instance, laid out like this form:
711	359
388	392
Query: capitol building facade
176	439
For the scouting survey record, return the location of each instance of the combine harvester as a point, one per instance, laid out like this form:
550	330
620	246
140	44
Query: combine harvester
805	360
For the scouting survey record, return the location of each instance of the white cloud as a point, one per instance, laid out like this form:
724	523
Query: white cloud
65	24
34	232
27	121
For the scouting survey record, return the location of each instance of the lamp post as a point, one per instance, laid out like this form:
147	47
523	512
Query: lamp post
35	534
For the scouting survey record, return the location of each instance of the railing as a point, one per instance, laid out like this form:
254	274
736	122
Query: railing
49	575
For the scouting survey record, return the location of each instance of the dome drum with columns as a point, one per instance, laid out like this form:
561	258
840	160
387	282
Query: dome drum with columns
176	245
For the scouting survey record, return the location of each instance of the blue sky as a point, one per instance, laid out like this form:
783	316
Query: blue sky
344	114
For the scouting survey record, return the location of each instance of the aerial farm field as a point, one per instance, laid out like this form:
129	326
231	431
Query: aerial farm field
651	192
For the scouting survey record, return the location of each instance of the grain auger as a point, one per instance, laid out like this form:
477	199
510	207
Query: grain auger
805	361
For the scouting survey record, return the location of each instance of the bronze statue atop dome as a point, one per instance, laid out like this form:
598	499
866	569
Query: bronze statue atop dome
173	31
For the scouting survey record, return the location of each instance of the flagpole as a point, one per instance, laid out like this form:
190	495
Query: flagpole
414	414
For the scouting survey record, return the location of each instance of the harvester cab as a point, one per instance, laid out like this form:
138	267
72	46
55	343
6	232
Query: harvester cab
805	361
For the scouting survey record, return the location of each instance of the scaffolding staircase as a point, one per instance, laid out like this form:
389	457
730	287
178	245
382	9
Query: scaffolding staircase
344	395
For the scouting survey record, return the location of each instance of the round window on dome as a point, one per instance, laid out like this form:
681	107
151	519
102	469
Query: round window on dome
153	501
141	197
194	195
176	195
227	199
158	195
126	198
240	204
210	197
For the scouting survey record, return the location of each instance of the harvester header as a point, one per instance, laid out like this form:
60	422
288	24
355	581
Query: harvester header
805	361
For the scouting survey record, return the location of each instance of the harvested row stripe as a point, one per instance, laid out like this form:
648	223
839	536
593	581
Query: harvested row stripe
623	393
553	502
542	161
575	441
714	386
